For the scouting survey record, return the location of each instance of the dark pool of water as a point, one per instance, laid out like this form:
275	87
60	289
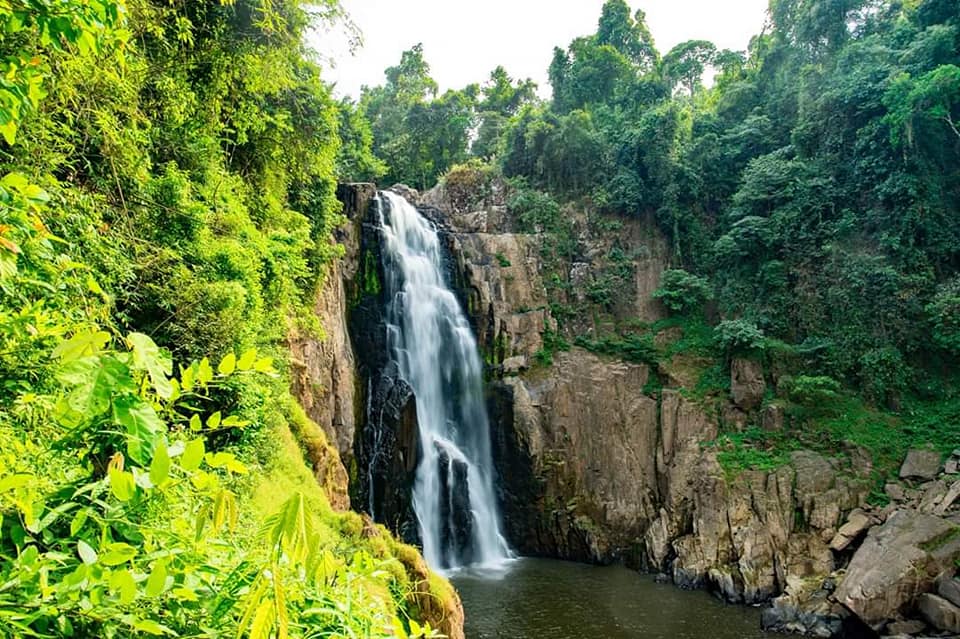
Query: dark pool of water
543	599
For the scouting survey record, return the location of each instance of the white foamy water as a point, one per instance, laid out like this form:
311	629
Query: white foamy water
433	344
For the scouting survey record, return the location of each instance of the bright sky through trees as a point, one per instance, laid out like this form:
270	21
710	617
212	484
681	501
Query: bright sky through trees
464	40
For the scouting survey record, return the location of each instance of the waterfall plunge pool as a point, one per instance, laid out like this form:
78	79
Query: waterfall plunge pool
542	598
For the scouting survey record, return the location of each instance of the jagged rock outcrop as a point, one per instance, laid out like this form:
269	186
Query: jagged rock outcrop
504	294
747	385
574	447
898	561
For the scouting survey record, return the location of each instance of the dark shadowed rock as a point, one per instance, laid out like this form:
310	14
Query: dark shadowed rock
774	417
939	612
906	627
949	588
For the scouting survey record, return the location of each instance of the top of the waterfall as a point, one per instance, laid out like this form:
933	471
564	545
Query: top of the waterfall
409	194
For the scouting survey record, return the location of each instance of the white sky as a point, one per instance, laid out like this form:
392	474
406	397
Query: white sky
464	40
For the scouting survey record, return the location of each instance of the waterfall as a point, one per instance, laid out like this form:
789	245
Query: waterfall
436	353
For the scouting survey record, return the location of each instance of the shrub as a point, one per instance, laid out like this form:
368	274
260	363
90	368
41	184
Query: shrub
739	337
883	373
682	292
944	312
811	391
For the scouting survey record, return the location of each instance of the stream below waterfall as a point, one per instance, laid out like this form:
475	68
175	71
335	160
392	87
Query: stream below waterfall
540	598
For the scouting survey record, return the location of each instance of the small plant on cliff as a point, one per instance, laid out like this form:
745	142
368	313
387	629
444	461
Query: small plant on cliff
469	183
739	337
682	292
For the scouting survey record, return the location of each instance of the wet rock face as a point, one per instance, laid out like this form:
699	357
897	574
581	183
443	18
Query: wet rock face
595	466
387	454
574	449
385	446
454	498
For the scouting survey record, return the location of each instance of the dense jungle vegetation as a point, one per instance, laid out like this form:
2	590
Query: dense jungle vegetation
167	195
809	194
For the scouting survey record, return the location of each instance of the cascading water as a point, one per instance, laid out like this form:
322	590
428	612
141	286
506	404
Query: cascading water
436	353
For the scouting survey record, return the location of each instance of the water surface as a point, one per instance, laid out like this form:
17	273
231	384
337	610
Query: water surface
545	599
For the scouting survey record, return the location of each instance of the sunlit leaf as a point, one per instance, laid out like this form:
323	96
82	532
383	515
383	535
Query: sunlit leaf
82	344
193	455
87	554
160	466
227	365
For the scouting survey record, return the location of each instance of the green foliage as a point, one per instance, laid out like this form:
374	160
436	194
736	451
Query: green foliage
739	337
683	292
944	312
752	449
812	392
639	349
168	195
552	342
418	134
686	63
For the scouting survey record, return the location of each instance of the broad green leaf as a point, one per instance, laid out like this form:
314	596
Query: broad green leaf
87	554
193	455
188	377
123	584
185	594
214	420
151	627
82	344
142	424
148	357
204	372
196	424
263	620
116	554
15	481
76	525
160	466
226	461
122	484
157	581
264	365
227	365
247	360
93	381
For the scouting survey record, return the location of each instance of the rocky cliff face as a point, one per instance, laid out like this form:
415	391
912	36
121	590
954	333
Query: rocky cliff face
603	460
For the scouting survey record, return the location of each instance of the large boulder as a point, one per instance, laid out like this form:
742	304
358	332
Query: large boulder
747	385
922	465
896	562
